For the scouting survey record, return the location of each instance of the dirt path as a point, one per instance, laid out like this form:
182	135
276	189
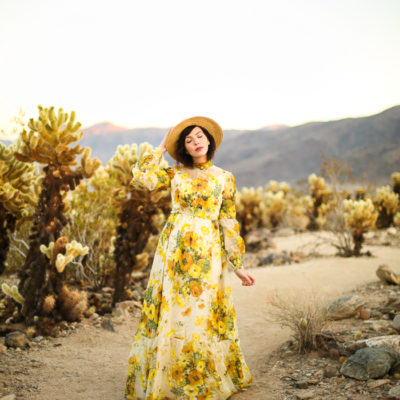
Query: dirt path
91	363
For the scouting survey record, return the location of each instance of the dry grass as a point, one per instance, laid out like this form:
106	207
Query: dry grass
303	313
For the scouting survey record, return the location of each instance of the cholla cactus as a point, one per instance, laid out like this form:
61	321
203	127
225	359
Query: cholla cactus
138	208
396	182
47	141
360	217
17	196
297	215
319	194
249	208
274	208
12	292
59	260
386	202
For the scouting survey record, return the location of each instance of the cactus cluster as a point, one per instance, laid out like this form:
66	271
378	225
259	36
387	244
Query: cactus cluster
12	292
360	217
319	193
387	204
18	181
61	253
138	208
47	141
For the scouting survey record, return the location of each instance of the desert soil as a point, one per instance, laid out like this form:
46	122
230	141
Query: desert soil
91	363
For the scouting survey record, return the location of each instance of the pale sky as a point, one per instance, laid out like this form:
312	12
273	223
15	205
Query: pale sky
245	63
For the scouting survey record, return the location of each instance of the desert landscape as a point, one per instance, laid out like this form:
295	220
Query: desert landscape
87	360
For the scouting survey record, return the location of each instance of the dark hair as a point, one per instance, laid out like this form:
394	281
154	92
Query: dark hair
185	158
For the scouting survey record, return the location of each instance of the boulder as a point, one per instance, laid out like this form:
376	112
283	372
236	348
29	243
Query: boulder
17	339
370	363
345	307
386	275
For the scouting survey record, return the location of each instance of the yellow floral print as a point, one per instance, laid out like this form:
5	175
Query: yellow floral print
187	344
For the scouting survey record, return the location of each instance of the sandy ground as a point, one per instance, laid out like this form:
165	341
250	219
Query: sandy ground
91	363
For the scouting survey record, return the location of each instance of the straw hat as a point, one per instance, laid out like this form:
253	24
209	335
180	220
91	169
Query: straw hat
204	122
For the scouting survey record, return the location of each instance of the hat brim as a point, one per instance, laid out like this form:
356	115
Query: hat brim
204	122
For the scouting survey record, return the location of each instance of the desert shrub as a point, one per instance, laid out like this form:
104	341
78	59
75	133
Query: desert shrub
386	202
303	314
93	221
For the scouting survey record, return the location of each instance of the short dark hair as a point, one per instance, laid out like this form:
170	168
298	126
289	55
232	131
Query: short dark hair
185	158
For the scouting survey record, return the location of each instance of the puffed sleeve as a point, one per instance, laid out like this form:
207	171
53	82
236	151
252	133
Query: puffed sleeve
233	243
147	172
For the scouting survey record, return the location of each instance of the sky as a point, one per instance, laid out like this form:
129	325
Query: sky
245	63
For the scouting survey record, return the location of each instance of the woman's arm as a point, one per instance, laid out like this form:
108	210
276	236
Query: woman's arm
233	243
146	172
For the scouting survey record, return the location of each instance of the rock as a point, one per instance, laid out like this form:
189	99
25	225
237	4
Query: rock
258	239
386	275
107	324
268	260
392	341
36	339
107	290
392	231
365	313
378	383
2	348
9	397
306	395
330	372
396	322
395	391
369	363
345	307
17	339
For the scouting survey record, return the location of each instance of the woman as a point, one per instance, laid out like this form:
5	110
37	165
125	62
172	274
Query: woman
187	344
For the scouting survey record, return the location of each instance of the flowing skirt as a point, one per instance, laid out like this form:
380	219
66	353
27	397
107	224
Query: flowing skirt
187	344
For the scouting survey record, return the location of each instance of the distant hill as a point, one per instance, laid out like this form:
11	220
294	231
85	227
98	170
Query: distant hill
370	145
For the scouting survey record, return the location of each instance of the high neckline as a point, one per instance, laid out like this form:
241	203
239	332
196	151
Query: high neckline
203	165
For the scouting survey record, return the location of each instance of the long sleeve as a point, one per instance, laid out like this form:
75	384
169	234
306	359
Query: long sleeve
147	172
233	243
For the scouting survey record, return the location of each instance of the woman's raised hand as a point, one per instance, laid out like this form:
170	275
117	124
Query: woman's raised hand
162	144
245	276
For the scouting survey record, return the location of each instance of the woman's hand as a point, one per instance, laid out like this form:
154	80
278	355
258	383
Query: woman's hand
162	144
245	276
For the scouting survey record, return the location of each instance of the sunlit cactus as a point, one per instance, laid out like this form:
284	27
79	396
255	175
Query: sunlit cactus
297	214
275	206
396	182
62	253
12	292
47	141
387	204
18	181
249	208
319	193
138	208
360	217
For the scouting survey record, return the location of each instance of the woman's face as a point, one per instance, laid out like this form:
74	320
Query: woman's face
196	143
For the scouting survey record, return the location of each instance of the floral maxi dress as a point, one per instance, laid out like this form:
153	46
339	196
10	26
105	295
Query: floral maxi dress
187	344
